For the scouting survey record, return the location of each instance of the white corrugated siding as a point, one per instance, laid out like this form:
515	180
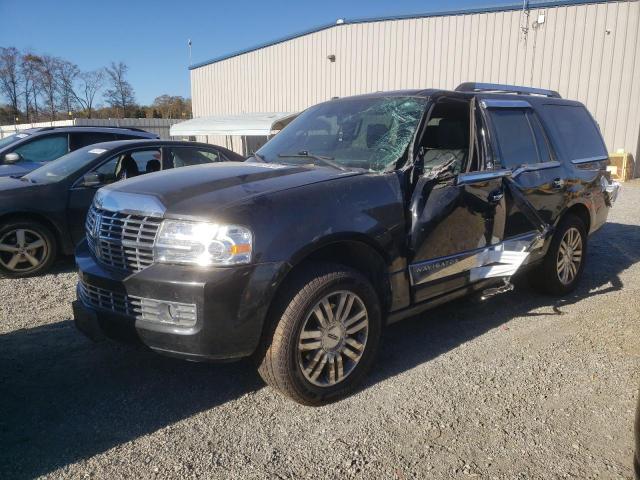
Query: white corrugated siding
571	52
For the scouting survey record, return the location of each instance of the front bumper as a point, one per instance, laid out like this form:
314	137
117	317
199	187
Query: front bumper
231	305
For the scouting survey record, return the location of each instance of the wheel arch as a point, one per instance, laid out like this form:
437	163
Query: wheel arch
62	243
356	251
581	210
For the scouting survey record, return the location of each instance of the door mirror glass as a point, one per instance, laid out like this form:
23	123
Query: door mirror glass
92	179
11	158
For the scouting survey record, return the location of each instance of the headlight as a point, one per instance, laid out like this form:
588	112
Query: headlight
197	243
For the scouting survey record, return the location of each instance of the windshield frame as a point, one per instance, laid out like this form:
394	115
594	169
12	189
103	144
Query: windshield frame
377	101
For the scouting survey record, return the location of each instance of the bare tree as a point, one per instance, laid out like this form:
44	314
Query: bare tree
90	83
10	77
66	75
48	68
30	85
120	95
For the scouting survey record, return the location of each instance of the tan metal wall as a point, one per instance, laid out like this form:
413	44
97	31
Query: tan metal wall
587	52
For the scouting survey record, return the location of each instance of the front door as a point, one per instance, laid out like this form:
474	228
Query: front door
458	212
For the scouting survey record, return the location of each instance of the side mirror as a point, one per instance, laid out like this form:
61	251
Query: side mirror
11	158
92	179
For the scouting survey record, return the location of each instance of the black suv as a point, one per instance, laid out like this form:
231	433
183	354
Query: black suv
363	211
29	149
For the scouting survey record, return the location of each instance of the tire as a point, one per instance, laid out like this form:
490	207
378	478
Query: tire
298	347
17	260
555	276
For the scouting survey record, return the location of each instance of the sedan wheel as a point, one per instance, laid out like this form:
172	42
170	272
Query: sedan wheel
26	248
22	250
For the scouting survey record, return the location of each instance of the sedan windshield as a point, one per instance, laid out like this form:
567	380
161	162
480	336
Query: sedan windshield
370	133
12	138
64	166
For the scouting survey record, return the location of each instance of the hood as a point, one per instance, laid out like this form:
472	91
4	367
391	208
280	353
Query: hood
20	169
14	184
199	190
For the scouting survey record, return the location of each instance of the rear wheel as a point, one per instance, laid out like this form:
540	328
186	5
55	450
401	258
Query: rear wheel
325	335
562	267
26	248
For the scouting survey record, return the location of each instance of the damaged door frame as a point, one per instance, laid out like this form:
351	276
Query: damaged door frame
494	262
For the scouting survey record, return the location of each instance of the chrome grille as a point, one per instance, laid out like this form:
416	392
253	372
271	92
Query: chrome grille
147	309
121	240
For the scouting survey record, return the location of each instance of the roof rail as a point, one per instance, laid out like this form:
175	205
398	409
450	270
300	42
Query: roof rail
499	88
92	126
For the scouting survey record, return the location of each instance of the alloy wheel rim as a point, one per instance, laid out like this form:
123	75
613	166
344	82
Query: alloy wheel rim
22	250
333	338
569	256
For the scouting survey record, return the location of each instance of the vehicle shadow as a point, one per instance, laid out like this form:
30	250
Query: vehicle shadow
64	399
65	264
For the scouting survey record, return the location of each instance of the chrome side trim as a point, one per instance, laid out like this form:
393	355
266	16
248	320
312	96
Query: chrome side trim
535	166
500	260
475	177
578	161
494	103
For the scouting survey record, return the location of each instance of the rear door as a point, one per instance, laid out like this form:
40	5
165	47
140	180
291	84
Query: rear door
184	156
522	146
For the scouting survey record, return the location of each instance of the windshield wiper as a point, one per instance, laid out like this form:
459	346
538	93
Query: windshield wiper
321	158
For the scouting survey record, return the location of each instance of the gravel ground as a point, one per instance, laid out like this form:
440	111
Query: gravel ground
521	386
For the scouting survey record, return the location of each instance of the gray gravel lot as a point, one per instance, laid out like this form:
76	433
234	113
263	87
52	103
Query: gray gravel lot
521	386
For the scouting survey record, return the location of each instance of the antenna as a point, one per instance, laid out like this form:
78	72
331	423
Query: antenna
524	19
189	44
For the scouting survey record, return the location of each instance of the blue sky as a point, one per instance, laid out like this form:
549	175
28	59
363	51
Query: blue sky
151	36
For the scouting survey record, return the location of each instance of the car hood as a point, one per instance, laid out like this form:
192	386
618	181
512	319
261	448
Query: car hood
15	184
22	169
198	191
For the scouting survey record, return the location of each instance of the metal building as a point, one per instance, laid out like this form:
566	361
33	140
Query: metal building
589	51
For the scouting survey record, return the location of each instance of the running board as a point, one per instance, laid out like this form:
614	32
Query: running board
492	292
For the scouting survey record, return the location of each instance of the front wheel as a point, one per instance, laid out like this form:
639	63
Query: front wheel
325	336
26	248
562	266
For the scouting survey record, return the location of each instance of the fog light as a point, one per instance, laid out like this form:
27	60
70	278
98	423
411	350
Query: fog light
174	313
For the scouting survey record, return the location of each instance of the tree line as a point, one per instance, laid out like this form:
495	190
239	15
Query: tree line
38	88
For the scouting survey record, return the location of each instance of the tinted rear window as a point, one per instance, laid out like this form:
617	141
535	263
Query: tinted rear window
575	132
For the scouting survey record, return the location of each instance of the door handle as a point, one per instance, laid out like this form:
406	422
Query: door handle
496	196
557	183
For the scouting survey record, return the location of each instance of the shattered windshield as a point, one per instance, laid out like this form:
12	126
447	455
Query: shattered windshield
361	133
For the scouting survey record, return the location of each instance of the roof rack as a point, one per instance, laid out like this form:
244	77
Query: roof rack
499	88
92	126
